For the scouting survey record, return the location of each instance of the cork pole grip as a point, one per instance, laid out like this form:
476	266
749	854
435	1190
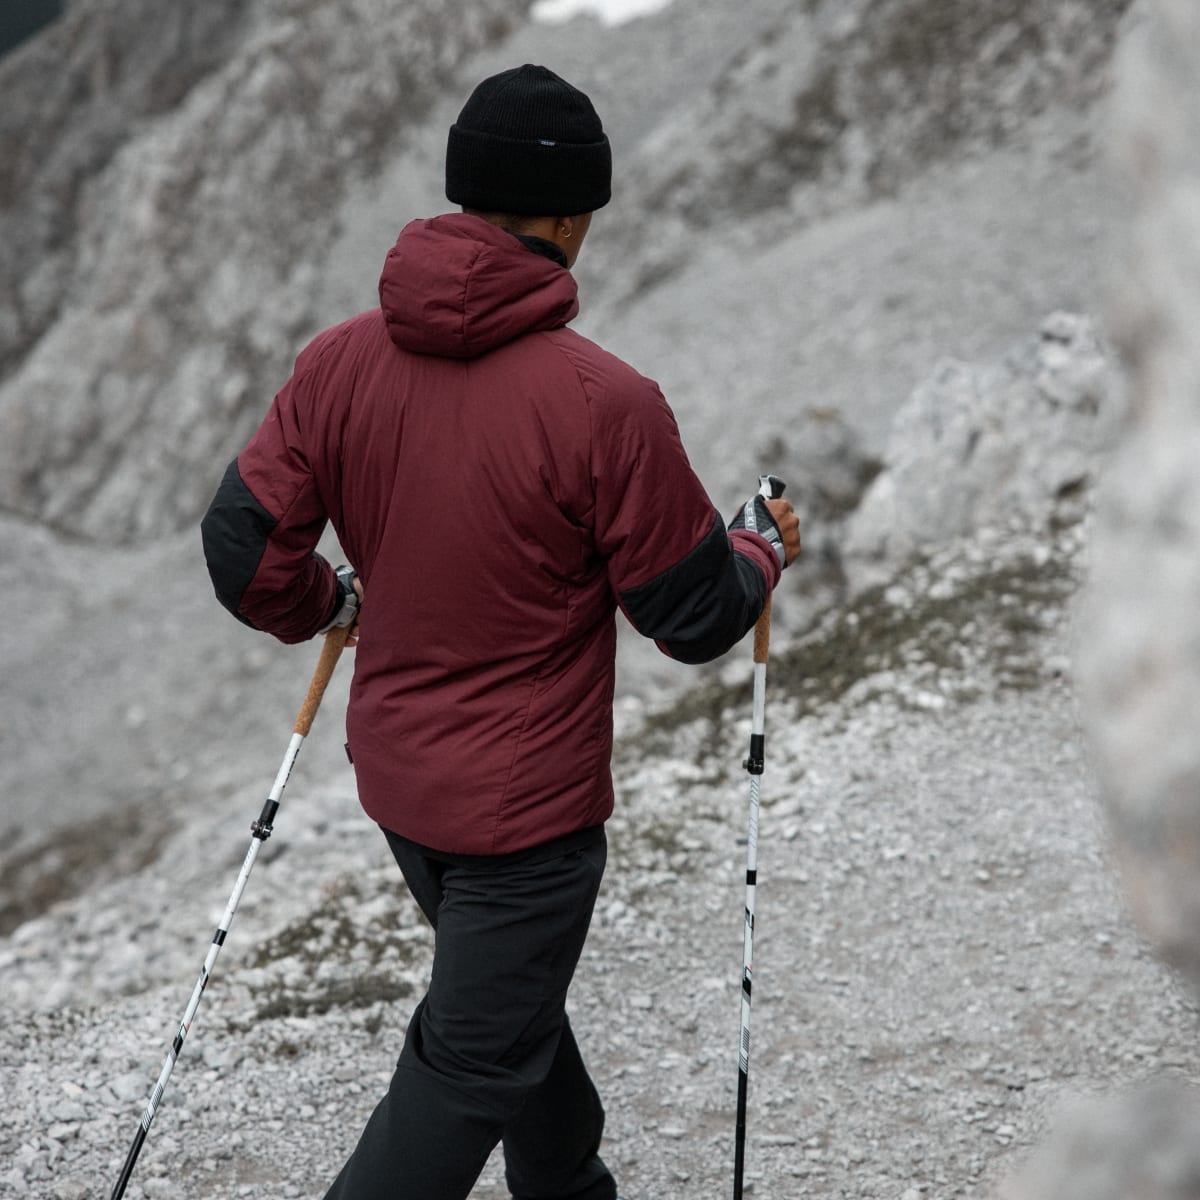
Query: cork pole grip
762	633
335	643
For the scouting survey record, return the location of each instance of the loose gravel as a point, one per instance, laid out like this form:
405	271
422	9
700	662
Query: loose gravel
941	957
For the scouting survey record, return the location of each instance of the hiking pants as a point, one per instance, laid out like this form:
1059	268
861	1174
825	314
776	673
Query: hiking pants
489	1055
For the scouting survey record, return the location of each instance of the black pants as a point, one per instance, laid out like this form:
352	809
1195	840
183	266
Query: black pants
489	1055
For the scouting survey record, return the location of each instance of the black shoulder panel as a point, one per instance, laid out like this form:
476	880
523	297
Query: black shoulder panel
235	531
703	604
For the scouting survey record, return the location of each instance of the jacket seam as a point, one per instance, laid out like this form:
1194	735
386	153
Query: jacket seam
502	804
466	287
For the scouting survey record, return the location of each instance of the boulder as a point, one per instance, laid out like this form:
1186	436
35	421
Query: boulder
1144	1144
1140	650
1010	446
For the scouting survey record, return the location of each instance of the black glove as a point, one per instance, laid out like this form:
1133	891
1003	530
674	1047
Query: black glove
756	516
347	600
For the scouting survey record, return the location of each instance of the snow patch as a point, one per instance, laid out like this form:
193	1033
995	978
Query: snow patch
608	12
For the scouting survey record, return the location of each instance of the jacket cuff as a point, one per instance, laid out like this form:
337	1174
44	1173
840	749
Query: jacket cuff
756	548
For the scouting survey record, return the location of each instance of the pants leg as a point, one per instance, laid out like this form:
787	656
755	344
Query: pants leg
488	1048
551	1149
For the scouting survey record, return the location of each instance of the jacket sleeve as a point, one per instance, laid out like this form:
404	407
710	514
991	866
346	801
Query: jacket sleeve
261	530
679	577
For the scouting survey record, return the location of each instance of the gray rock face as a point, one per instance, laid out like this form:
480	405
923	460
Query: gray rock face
843	102
827	470
153	295
876	92
1144	1144
1141	655
104	70
187	186
1010	446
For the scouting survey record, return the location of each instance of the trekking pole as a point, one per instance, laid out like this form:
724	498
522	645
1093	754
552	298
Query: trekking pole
335	642
770	488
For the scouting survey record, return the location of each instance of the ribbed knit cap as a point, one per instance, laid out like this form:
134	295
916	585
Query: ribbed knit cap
527	142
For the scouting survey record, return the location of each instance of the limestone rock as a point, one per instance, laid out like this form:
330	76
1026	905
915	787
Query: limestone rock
1014	445
158	288
101	72
842	102
153	294
1140	653
1144	1144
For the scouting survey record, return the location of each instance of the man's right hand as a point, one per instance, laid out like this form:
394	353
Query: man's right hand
788	524
776	520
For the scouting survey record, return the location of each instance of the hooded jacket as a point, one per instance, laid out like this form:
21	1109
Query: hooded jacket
502	485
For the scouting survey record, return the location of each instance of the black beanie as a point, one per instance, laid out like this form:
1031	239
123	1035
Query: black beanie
528	143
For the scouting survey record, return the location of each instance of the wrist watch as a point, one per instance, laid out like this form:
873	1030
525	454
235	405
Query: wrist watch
348	608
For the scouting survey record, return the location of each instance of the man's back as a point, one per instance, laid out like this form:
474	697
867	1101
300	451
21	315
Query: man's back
497	484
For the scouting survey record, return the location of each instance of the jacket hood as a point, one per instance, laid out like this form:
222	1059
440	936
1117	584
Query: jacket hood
457	286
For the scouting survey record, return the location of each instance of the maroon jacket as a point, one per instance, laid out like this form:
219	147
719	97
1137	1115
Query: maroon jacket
501	485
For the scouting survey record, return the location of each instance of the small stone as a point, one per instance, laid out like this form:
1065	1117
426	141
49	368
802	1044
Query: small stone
68	1110
130	1086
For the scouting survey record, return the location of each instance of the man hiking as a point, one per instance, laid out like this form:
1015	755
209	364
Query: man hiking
501	485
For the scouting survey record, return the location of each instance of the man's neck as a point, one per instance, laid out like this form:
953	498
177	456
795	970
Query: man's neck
543	247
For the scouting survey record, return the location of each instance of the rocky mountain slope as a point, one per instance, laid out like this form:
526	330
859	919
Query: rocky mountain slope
165	263
872	245
942	954
817	329
157	276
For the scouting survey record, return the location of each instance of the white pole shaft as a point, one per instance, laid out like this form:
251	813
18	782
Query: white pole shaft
335	642
755	766
210	960
757	726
